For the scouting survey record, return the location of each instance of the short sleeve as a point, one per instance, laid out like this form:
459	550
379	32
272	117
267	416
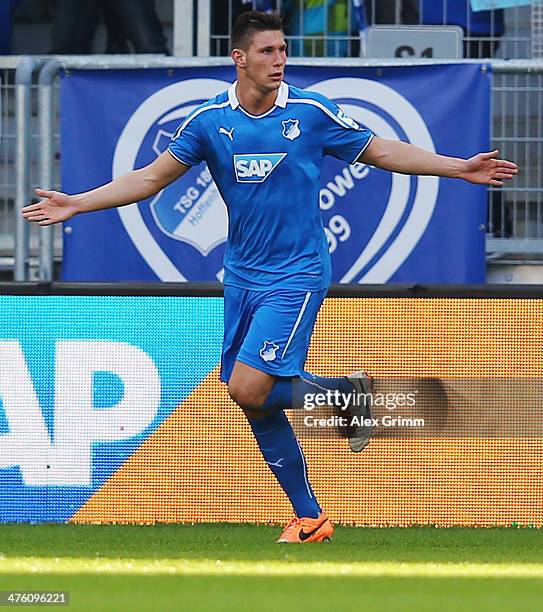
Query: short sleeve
187	145
344	138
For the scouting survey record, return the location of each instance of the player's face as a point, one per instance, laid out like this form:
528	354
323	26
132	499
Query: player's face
265	59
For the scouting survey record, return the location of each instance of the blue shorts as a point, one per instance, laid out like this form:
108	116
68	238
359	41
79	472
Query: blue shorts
268	330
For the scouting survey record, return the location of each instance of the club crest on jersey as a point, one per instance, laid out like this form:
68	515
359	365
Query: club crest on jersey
291	128
269	350
256	167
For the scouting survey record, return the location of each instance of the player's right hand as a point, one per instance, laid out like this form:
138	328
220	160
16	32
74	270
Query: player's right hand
53	208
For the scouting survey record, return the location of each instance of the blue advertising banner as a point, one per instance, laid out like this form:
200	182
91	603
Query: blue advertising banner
381	227
112	411
83	382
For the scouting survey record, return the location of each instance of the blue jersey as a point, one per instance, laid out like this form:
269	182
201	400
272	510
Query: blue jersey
267	169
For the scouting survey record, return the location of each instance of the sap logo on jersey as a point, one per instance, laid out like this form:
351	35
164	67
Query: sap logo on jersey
256	167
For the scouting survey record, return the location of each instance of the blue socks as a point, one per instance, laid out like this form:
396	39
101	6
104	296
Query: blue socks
277	442
290	392
284	456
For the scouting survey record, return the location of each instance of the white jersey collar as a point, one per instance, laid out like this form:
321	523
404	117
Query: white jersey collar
281	100
282	95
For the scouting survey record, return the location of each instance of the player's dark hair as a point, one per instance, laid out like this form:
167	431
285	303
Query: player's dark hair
247	24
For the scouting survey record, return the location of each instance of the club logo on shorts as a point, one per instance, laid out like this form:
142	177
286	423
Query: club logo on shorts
269	350
256	167
291	128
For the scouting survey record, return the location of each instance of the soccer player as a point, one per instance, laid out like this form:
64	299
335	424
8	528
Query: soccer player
264	142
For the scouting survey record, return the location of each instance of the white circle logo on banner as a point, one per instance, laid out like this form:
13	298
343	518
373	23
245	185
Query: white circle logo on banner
159	105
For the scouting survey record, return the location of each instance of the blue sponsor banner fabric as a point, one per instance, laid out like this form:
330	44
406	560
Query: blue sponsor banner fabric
380	227
84	381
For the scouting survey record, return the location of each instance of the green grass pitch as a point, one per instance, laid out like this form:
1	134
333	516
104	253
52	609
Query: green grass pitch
238	567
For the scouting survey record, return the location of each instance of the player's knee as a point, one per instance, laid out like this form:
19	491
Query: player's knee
246	397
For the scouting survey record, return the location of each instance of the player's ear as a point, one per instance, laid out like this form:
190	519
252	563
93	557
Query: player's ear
239	58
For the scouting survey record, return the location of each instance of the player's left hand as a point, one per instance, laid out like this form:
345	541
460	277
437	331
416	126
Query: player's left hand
485	169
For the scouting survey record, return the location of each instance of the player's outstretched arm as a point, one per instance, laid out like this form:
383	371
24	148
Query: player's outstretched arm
396	156
132	187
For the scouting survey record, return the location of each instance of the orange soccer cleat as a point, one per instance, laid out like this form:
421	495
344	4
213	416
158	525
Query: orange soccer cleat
301	530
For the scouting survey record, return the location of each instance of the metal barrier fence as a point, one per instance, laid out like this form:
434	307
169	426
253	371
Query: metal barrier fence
18	144
515	219
7	157
333	28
